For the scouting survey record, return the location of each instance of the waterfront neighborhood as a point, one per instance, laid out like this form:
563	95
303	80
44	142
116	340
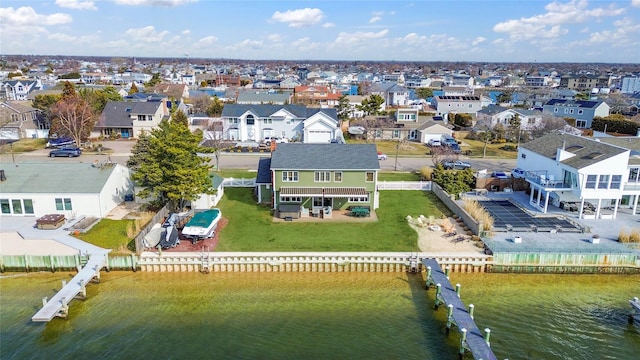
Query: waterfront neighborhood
202	190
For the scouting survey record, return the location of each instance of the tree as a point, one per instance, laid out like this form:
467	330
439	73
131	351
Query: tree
45	103
513	130
72	116
215	108
343	108
424	93
167	165
155	80
504	97
133	89
201	103
98	98
180	117
371	105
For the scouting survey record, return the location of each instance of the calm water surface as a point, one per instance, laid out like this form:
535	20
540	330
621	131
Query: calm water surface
317	316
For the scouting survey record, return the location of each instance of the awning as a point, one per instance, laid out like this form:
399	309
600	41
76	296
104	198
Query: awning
326	192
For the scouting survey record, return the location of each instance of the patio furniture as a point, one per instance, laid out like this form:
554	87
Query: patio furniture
50	221
360	212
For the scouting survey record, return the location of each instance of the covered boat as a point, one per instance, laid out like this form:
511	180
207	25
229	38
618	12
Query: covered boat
169	238
202	225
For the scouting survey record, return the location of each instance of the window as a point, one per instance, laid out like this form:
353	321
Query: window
267	121
322	176
291	199
555	110
396	134
63	204
141	117
233	120
250	120
616	180
591	182
633	174
524	156
581	124
17	206
356	199
604	182
337	176
580	112
4	205
369	176
290	176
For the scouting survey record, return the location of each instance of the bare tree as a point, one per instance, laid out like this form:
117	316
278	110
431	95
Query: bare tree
73	117
440	154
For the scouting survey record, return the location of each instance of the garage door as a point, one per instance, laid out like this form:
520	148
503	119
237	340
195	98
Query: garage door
316	136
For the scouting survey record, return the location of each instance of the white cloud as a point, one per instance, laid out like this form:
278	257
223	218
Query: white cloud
299	18
478	40
359	37
186	32
61	37
146	34
304	44
77	4
375	19
328	25
163	3
207	40
275	37
623	36
635	3
549	24
26	16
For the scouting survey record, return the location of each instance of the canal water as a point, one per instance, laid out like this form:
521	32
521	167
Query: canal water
317	316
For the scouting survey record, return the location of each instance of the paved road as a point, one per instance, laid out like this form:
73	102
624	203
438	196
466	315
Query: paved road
122	150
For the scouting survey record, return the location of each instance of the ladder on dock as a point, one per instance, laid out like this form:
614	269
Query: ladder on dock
471	337
58	306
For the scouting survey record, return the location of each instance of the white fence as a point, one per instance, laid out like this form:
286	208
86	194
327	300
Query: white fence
404	185
234	182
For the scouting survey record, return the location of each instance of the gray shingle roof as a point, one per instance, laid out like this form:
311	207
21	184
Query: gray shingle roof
266	110
297	156
115	113
584	149
55	177
264	171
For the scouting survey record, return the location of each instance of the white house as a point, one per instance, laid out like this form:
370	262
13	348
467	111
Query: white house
19	89
71	189
497	115
293	122
457	104
562	167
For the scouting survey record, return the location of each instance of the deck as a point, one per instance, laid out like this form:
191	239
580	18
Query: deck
58	305
475	341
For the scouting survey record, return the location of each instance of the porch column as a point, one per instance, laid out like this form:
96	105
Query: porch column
546	202
635	204
539	197
615	209
531	195
580	212
598	209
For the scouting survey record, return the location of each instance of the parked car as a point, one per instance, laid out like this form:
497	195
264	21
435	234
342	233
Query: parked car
455	148
66	152
268	140
517	173
448	141
382	156
434	142
456	165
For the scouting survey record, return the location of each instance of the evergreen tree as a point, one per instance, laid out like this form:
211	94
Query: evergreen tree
167	165
133	89
343	108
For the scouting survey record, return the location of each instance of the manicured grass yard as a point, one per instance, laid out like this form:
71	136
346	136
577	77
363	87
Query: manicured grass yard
251	228
110	234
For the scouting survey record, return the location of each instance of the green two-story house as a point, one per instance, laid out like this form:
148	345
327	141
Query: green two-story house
319	178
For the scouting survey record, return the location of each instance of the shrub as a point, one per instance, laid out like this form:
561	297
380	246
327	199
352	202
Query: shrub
479	213
632	237
426	173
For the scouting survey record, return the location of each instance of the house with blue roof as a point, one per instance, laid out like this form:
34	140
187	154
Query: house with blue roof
582	110
255	123
316	179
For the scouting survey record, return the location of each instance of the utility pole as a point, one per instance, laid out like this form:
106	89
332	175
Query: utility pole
395	168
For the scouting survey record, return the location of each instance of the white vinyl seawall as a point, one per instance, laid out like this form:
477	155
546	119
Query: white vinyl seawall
307	262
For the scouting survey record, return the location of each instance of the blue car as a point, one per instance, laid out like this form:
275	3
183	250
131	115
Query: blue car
65	152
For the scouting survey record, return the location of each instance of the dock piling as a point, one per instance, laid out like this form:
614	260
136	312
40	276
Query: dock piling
458	289
428	282
437	302
450	320
82	294
463	340
44	301
471	308
487	335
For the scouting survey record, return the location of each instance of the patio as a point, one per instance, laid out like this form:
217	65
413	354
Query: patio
340	216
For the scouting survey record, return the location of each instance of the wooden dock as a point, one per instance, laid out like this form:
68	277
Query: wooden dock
58	306
471	337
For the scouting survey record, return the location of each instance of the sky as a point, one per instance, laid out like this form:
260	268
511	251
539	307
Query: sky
419	30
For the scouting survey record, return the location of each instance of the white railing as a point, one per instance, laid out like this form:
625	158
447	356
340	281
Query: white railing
237	182
404	185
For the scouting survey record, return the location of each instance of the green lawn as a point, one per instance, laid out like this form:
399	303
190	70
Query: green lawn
23	145
251	228
388	147
398	176
110	234
238	174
